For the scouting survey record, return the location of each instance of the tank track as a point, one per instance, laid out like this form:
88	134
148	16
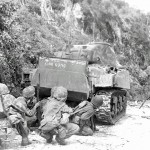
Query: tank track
113	108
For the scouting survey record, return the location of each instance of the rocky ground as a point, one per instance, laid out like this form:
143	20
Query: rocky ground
131	132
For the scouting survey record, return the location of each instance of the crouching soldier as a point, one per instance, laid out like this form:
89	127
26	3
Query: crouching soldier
83	115
18	112
55	117
6	100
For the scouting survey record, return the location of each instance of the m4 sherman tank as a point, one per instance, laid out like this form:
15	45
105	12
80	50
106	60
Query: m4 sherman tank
86	71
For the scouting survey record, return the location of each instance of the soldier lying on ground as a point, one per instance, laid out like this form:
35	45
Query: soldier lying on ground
83	114
20	109
55	117
6	100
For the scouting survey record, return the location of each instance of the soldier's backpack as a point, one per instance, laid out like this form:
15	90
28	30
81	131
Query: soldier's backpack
51	119
83	111
5	101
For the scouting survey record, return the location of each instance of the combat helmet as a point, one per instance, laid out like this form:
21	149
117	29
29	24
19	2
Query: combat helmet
60	93
28	92
97	100
3	89
52	91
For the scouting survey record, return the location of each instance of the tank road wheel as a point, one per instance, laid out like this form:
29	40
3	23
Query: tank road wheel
118	107
124	104
114	108
114	111
120	104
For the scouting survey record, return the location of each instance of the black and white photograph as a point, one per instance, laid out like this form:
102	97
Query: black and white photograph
74	74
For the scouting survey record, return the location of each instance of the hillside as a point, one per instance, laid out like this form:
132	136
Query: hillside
32	28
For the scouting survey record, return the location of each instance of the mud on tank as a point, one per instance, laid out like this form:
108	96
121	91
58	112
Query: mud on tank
86	71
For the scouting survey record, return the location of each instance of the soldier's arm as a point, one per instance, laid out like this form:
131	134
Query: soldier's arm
31	103
80	107
67	109
31	112
21	106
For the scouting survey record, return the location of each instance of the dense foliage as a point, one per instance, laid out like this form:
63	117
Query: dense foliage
29	28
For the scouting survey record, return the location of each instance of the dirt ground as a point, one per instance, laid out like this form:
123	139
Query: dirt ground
131	132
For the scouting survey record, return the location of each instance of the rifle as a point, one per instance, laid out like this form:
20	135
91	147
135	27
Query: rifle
143	102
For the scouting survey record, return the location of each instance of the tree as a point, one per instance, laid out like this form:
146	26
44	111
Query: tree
9	49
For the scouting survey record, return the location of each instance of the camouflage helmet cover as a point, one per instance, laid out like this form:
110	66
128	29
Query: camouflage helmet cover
97	100
60	93
52	91
3	89
28	92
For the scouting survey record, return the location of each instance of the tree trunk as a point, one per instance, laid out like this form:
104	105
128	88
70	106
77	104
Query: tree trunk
46	10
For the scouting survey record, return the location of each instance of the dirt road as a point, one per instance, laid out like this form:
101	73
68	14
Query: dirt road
130	133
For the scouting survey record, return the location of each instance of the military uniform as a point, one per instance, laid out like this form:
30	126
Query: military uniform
55	117
18	112
83	114
6	100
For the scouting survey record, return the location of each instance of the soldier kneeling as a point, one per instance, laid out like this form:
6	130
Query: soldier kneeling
18	112
83	114
55	117
6	100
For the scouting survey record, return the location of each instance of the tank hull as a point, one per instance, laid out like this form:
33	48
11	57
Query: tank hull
87	71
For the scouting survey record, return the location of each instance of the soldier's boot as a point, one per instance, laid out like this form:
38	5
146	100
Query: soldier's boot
60	141
24	134
49	140
47	136
61	135
25	141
